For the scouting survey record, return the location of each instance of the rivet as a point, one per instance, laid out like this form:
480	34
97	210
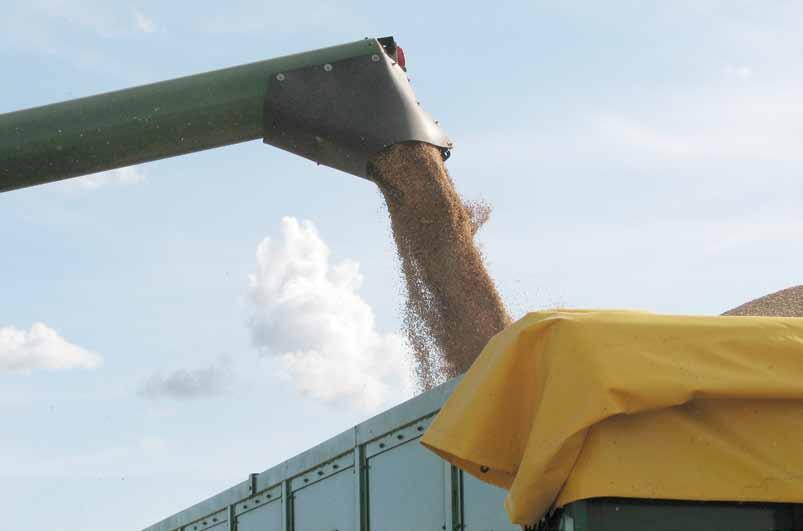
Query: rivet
420	428
484	469
381	445
306	480
375	58
335	466
320	472
280	77
400	436
327	67
268	496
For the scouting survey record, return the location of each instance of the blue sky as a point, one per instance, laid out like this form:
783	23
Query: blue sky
637	154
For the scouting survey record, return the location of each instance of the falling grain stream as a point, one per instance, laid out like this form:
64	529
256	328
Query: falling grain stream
452	307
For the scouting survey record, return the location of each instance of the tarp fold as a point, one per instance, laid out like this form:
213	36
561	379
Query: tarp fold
567	405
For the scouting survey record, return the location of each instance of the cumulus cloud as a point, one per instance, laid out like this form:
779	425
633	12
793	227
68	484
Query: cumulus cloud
120	176
41	347
186	384
309	314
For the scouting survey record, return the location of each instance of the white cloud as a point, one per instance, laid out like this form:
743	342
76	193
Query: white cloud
186	384
309	313
144	24
120	176
42	347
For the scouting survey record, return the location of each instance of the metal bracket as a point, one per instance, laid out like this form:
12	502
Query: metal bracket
323	471
270	495
212	520
342	114
410	432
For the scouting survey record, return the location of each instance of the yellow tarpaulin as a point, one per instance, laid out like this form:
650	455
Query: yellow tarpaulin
569	405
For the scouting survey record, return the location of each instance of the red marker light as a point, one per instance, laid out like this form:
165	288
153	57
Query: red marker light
400	57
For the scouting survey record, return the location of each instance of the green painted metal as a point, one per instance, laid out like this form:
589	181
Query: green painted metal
361	489
456	482
622	514
146	123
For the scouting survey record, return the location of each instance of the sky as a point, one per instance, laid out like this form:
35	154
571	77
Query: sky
168	328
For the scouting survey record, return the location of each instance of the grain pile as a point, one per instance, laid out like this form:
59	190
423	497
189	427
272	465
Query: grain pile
785	303
452	307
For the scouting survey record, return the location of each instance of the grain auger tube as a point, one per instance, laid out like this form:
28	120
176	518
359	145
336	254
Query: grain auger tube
337	106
